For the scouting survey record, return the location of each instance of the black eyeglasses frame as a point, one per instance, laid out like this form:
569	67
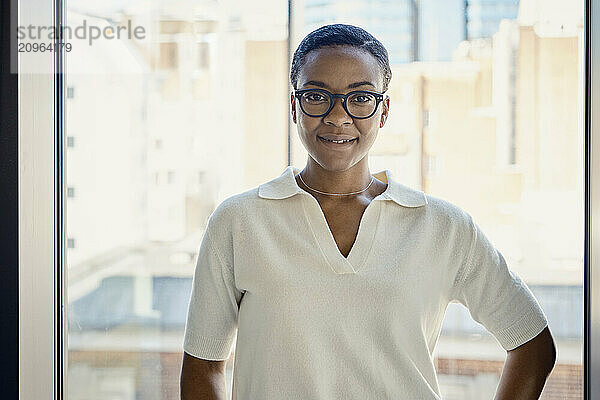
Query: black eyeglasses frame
332	96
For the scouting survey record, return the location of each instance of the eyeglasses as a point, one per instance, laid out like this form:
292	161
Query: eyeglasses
359	104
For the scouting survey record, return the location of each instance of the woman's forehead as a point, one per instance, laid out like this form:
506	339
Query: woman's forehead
339	66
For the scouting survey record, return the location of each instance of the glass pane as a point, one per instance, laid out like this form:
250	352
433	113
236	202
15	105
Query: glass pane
165	125
494	125
161	127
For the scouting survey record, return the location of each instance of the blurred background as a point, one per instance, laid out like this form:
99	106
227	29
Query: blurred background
486	111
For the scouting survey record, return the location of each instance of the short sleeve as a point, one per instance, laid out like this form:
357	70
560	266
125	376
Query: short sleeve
211	323
495	296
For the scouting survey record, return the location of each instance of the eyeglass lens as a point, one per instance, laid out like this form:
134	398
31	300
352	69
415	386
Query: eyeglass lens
359	104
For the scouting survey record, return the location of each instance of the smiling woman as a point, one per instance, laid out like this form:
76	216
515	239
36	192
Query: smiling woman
339	68
337	279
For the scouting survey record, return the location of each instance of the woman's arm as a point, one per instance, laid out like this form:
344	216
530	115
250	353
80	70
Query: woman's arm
526	369
202	379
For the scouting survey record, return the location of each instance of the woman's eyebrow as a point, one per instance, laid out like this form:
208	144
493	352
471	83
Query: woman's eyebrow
350	86
357	84
316	83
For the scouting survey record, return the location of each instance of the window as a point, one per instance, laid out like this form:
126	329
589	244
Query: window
168	56
201	176
124	327
470	117
129	291
433	166
203	55
70	192
426	114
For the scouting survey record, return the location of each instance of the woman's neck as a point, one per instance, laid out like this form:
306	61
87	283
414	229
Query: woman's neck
315	179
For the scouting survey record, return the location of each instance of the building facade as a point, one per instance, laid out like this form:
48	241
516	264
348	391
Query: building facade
394	23
483	16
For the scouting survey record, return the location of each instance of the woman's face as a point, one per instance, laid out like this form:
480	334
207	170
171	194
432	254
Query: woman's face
339	70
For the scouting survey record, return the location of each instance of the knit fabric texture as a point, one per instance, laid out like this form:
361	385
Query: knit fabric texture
311	324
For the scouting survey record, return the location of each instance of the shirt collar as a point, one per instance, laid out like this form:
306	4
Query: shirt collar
285	186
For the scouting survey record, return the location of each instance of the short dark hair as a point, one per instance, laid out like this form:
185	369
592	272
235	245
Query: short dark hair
339	35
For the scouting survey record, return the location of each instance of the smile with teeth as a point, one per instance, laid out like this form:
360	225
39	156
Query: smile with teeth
337	141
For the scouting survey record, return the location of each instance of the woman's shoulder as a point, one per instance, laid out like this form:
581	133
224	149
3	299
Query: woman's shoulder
433	208
234	206
447	213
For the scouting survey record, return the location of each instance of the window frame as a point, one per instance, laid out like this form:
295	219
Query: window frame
591	301
41	234
34	241
9	228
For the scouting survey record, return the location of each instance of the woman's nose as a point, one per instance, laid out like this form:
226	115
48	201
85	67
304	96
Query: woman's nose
337	116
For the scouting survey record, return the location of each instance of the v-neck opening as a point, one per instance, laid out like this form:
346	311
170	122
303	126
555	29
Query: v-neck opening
326	241
323	234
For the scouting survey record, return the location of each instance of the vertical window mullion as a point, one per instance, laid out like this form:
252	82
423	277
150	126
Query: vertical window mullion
40	355
9	228
592	206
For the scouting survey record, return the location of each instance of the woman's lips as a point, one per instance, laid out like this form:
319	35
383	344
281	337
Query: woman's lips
336	146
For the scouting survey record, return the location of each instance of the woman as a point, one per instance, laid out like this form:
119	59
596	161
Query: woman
337	279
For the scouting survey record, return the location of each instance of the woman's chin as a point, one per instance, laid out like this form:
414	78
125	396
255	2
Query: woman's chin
330	163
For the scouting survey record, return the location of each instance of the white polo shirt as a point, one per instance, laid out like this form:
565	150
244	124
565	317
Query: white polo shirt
312	324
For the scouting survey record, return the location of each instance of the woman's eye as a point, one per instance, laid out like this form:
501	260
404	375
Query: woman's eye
361	98
315	97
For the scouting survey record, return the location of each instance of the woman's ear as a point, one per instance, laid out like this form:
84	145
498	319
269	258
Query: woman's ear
293	102
385	111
